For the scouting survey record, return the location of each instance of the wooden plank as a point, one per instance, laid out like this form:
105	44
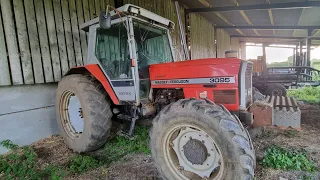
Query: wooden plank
34	41
103	4
92	9
86	11
23	42
61	38
97	6
75	32
53	40
4	64
83	38
43	38
68	33
12	44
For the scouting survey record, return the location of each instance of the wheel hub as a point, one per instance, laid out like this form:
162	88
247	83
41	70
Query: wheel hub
196	152
75	114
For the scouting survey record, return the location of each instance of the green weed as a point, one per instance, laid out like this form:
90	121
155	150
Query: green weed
21	164
307	94
120	146
291	133
280	158
80	164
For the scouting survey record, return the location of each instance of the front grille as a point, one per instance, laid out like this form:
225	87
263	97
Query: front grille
224	96
248	84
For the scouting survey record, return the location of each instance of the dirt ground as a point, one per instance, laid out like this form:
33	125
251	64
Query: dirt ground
308	138
140	166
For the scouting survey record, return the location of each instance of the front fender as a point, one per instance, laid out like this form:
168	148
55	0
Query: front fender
95	71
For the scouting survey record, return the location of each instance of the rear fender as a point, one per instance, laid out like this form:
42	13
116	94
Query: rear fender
95	71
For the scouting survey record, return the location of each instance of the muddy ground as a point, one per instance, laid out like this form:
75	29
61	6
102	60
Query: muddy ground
140	166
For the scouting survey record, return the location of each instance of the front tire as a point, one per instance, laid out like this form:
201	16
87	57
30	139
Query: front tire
208	130
83	112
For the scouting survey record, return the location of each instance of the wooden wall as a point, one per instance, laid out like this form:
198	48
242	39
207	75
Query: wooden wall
235	45
40	39
201	37
223	43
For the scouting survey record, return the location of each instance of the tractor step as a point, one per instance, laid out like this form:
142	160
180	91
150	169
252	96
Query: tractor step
132	120
286	112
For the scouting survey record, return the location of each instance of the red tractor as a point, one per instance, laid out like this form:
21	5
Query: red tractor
130	74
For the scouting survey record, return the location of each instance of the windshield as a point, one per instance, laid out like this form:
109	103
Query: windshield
153	46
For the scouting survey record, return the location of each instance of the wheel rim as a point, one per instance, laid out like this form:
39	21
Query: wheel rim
191	153
71	114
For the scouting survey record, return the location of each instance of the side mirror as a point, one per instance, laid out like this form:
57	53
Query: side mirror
105	20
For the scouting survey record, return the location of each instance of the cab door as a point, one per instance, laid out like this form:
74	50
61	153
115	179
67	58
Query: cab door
111	51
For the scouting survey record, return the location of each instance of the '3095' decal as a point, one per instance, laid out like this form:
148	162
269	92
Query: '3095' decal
213	80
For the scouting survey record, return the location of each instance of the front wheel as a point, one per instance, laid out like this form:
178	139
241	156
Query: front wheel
83	112
196	139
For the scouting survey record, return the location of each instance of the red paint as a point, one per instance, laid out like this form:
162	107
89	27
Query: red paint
95	70
202	68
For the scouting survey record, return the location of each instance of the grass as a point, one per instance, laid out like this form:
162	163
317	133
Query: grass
121	146
21	162
287	159
307	94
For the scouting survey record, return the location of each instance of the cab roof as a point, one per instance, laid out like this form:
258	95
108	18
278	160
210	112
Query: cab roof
130	9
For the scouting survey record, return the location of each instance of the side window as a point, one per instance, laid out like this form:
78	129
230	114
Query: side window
112	50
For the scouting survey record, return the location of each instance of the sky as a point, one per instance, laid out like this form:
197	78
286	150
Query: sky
277	54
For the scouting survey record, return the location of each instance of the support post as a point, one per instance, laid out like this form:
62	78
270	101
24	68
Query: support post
264	61
243	48
308	43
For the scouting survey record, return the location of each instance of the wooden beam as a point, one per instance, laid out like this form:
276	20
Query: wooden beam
23	40
53	40
61	37
44	43
244	15
290	5
5	78
12	43
68	33
268	27
83	38
207	4
75	32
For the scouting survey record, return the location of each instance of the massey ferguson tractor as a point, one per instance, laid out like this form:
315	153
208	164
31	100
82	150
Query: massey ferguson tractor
198	106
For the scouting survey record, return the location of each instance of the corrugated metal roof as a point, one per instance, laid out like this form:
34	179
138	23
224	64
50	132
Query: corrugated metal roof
280	17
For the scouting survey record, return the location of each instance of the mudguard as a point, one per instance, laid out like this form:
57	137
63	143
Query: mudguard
96	72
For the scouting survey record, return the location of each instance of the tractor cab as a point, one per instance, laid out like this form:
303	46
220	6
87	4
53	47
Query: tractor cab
134	39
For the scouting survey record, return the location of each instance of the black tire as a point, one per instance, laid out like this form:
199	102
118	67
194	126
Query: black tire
236	146
276	90
95	109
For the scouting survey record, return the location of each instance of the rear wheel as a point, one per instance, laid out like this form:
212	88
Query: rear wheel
83	113
196	139
276	90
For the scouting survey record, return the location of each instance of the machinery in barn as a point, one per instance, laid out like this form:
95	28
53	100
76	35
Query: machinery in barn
200	107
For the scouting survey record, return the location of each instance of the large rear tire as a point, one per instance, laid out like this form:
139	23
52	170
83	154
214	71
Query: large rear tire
196	139
83	112
276	90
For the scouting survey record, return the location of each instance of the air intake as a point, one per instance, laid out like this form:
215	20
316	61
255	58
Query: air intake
224	96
